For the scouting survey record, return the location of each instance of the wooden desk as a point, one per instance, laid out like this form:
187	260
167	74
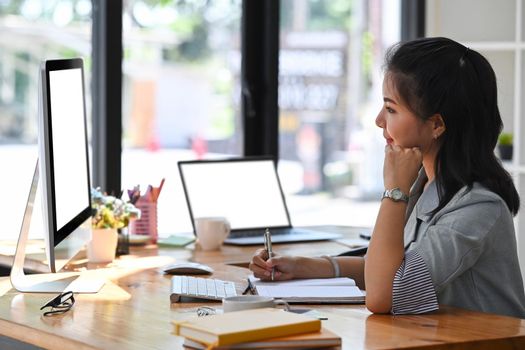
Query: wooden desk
133	311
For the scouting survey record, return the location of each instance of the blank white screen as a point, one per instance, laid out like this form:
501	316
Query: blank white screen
69	144
247	193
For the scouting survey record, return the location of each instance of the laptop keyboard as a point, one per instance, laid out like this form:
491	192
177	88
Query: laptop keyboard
202	288
274	231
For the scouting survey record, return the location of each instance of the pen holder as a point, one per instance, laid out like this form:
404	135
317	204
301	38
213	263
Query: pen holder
147	224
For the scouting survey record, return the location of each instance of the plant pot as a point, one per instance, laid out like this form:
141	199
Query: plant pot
505	152
103	245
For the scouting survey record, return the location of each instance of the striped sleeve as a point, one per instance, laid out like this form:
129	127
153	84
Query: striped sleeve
412	290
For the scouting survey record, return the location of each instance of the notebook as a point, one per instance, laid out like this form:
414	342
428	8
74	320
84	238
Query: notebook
322	339
341	290
246	191
244	326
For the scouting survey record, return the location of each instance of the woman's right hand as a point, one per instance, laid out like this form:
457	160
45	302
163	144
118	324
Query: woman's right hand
401	167
262	266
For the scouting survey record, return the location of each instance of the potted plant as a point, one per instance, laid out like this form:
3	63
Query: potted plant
109	214
505	147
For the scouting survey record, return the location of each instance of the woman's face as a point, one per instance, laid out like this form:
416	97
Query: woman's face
400	125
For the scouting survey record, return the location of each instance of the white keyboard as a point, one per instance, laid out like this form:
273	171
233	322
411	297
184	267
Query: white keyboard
199	287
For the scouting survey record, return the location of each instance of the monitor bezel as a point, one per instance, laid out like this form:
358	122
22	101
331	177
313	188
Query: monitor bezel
57	235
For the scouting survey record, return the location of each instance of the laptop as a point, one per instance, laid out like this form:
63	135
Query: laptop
247	192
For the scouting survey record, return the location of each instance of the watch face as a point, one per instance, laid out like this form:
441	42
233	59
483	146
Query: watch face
396	194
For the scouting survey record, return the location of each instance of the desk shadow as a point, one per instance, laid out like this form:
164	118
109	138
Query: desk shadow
13	344
4	271
244	264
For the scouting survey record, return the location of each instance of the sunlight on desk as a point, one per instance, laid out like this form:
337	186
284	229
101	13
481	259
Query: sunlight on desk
5	285
120	268
135	262
109	292
126	266
18	303
353	242
8	247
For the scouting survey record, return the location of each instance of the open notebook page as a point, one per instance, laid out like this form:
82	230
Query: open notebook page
340	281
310	292
340	289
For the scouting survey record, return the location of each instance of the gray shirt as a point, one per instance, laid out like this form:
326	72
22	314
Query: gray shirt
469	248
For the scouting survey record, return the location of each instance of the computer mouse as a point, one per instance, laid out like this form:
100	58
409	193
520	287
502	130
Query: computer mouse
188	268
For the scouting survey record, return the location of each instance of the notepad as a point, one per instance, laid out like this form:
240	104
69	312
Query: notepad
321	290
175	241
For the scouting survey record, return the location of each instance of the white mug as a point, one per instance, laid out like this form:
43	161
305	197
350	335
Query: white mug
246	302
211	232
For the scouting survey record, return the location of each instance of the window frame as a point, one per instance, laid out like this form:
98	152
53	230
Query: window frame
106	92
259	77
412	19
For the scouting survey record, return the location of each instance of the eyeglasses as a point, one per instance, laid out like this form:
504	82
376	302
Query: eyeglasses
60	304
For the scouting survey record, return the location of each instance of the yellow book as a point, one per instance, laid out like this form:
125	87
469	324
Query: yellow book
322	339
244	326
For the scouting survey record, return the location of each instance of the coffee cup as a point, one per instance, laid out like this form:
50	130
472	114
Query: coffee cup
211	232
246	302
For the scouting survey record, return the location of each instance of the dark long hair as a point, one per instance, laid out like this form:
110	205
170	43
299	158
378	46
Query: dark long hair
441	76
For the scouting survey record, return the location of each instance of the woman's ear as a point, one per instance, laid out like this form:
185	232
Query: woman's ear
438	125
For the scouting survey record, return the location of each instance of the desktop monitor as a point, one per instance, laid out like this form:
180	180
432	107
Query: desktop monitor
64	171
64	161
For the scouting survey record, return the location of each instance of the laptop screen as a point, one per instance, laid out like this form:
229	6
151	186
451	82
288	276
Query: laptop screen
246	192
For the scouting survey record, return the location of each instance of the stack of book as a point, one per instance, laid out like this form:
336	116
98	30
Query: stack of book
267	328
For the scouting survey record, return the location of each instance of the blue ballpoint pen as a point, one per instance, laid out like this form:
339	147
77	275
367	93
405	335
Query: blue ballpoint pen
268	246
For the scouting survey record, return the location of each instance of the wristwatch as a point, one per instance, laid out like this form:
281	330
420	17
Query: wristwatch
395	194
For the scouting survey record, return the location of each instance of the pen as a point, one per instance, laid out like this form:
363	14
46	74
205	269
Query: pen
268	246
156	190
161	184
365	236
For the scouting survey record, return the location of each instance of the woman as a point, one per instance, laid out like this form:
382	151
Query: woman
444	233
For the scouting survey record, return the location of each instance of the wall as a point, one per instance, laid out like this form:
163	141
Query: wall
496	30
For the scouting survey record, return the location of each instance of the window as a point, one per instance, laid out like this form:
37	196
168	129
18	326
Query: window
330	79
181	95
32	30
502	43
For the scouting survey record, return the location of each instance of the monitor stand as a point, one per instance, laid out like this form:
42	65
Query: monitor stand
46	282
